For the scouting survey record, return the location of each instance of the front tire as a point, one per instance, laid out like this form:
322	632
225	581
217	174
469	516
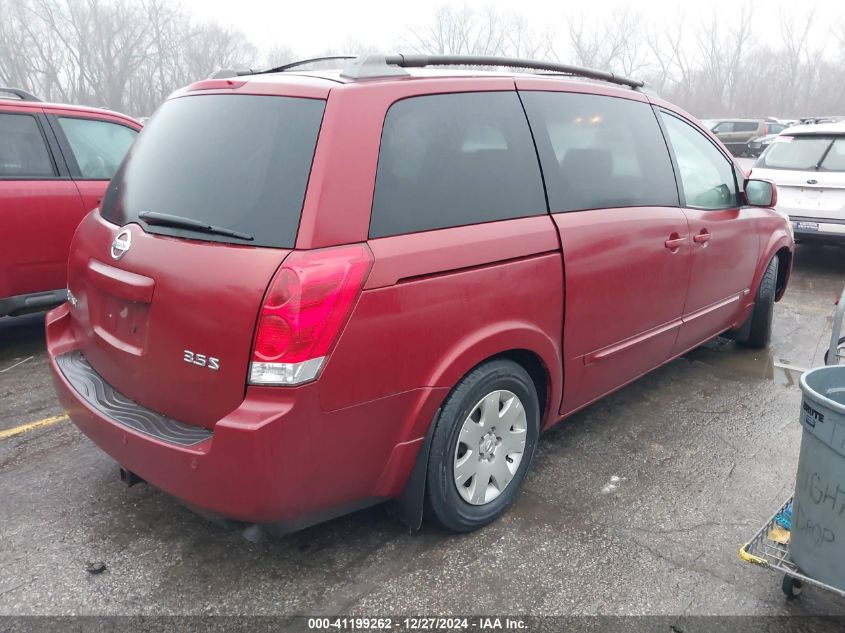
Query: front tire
756	332
482	446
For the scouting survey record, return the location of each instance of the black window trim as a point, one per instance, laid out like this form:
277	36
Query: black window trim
536	150
681	194
50	145
67	150
513	90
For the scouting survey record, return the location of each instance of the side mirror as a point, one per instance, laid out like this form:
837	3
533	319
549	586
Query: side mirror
760	193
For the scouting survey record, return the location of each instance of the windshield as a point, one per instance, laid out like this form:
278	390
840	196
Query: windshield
239	162
803	153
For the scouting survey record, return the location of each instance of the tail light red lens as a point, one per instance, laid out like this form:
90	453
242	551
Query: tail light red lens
307	304
273	337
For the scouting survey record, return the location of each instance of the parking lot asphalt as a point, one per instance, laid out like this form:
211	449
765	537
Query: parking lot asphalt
636	505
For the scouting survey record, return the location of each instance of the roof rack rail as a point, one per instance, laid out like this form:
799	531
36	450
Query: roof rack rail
305	62
227	73
374	66
23	95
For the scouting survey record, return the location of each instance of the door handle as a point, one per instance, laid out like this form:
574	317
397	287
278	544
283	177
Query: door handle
674	242
702	238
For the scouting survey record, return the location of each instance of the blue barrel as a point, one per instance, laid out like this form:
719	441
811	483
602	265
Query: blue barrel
817	541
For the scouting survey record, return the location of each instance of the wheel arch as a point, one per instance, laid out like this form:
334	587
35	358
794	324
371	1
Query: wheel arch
536	351
779	245
539	373
535	359
784	255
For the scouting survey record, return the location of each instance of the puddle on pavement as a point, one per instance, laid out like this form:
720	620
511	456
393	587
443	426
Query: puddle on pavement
725	357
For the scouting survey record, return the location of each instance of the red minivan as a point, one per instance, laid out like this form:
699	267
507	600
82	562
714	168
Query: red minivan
55	163
306	292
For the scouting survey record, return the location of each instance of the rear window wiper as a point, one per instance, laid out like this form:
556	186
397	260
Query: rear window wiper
179	222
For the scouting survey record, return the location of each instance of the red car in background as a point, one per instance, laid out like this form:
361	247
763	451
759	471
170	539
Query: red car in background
55	163
307	292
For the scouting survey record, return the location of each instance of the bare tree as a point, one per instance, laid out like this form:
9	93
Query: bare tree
466	31
278	56
613	44
673	67
721	49
116	53
131	54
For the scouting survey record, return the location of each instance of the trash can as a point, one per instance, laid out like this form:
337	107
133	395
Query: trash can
817	540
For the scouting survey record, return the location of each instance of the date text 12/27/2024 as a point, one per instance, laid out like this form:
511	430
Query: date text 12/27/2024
482	623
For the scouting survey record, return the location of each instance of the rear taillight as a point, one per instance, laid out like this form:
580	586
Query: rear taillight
765	130
304	310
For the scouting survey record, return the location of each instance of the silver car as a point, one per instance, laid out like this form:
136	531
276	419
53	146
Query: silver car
807	163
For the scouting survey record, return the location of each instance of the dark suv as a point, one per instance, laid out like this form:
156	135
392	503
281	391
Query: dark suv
307	292
55	162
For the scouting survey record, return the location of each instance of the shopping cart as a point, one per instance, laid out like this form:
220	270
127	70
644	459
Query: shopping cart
767	548
835	353
762	550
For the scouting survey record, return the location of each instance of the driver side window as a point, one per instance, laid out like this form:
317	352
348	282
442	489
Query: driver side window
706	175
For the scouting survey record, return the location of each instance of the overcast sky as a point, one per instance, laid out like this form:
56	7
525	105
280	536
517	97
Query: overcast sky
309	26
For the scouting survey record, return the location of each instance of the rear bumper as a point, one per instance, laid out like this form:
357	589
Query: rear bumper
33	302
277	459
828	231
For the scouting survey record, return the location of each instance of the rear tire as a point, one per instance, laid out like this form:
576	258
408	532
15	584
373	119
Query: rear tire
756	332
482	446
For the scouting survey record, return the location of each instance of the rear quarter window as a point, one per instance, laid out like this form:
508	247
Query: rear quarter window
454	160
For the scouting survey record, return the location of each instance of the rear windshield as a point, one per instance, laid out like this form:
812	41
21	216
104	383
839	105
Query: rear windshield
237	162
805	153
835	159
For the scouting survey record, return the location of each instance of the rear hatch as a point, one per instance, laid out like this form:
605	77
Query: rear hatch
169	276
809	171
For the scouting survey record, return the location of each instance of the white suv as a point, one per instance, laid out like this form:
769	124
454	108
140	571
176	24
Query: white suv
808	165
